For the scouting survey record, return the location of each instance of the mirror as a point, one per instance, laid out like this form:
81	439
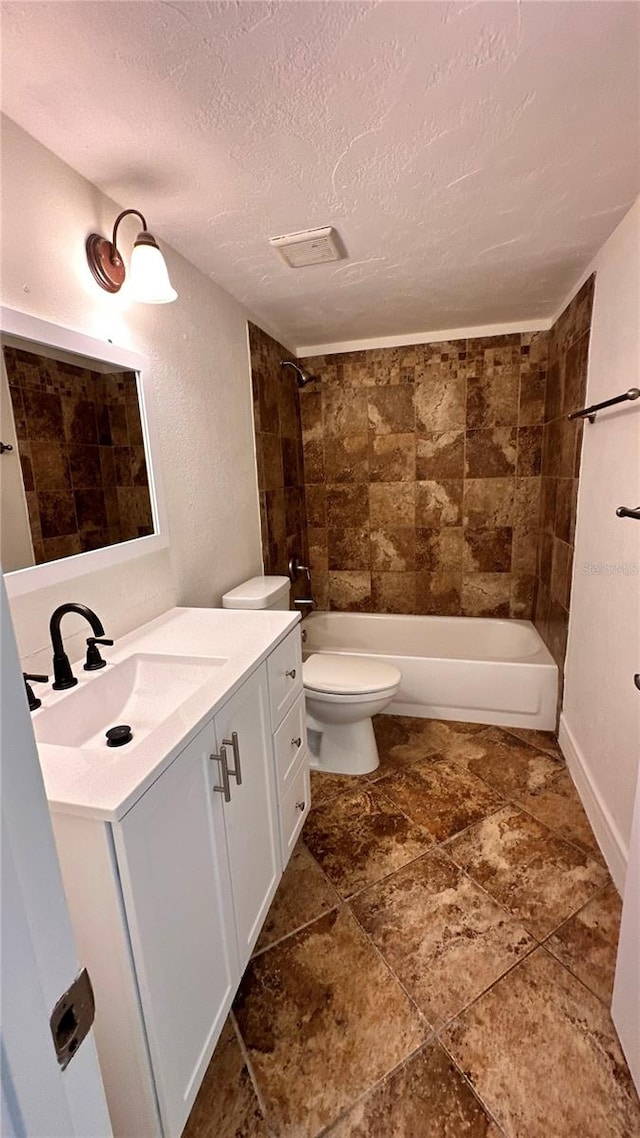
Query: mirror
76	478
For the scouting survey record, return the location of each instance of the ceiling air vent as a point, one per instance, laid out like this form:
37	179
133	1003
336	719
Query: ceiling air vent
310	247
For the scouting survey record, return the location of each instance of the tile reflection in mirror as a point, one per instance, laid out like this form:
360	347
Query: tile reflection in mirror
78	438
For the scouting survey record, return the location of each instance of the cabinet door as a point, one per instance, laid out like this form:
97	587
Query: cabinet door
251	814
175	879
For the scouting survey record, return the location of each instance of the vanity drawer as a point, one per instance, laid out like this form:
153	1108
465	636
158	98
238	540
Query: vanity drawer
294	809
284	667
290	742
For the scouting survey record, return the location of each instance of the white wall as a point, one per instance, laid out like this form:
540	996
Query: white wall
600	726
198	357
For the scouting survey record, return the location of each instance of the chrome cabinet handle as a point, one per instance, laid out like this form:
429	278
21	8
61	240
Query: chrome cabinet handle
296	742
301	806
235	746
224	771
291	674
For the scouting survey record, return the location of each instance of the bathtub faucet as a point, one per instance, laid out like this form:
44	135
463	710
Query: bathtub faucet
306	604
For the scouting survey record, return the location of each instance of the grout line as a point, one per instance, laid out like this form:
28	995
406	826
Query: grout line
550	755
479	995
249	1065
326	1131
421	1015
591	855
606	1004
474	1090
299	928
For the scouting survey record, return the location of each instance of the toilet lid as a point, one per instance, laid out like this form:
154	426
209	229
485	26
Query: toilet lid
348	675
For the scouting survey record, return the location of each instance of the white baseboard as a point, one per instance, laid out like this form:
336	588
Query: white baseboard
608	836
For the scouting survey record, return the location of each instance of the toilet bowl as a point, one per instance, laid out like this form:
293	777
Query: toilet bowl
341	692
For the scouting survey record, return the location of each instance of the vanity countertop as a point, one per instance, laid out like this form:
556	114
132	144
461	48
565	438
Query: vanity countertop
106	783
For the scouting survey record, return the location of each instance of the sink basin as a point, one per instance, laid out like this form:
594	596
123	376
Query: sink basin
141	691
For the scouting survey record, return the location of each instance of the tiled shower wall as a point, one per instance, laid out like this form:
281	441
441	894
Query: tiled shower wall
81	448
568	348
438	479
422	471
276	415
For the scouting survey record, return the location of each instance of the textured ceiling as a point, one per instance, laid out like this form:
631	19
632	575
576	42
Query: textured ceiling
472	156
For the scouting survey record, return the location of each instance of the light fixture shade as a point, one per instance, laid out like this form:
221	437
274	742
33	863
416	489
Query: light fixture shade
148	276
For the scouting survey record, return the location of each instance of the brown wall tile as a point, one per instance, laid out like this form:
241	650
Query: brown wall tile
439	593
392	458
491	453
487	551
392	504
454	445
393	549
440	454
393	592
432	473
79	435
346	458
286	472
568	350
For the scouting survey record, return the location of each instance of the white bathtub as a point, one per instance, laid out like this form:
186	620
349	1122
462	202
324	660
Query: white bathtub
475	669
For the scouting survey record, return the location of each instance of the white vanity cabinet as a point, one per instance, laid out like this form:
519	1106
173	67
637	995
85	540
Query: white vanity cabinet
250	815
168	899
177	893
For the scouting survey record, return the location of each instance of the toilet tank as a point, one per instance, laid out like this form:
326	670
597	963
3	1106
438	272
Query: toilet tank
259	593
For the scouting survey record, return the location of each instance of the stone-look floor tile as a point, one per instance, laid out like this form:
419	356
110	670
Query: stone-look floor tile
527	869
226	1106
401	740
442	936
426	1098
557	805
439	733
587	943
360	837
323	1020
542	1053
303	894
325	786
440	796
512	767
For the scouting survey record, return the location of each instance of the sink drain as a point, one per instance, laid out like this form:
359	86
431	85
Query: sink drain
118	736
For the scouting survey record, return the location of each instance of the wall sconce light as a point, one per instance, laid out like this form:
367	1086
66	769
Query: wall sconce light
148	276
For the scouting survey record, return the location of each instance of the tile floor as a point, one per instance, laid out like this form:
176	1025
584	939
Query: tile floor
438	960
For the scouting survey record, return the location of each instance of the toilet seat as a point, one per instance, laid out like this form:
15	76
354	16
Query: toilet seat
331	675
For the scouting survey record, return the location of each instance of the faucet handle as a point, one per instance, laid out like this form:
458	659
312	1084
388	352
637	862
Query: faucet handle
94	660
34	703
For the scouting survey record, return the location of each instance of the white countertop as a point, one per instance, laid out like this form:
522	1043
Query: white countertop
106	784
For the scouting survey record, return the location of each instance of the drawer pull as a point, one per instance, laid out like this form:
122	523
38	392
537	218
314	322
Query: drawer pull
296	742
301	806
224	771
236	771
291	674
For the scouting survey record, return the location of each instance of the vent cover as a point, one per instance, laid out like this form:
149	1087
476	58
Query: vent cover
310	247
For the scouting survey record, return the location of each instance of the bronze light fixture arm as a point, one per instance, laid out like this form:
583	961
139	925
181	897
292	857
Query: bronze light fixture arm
119	218
105	260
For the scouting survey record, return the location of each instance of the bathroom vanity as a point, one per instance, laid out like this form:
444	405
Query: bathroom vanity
172	846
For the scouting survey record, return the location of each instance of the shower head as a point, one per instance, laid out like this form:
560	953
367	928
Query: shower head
302	377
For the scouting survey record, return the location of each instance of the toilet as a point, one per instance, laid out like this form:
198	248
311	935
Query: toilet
342	692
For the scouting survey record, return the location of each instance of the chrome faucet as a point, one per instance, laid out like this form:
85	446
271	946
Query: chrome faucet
306	604
62	675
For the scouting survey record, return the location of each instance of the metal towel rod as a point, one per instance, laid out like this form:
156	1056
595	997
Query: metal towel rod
628	512
590	412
